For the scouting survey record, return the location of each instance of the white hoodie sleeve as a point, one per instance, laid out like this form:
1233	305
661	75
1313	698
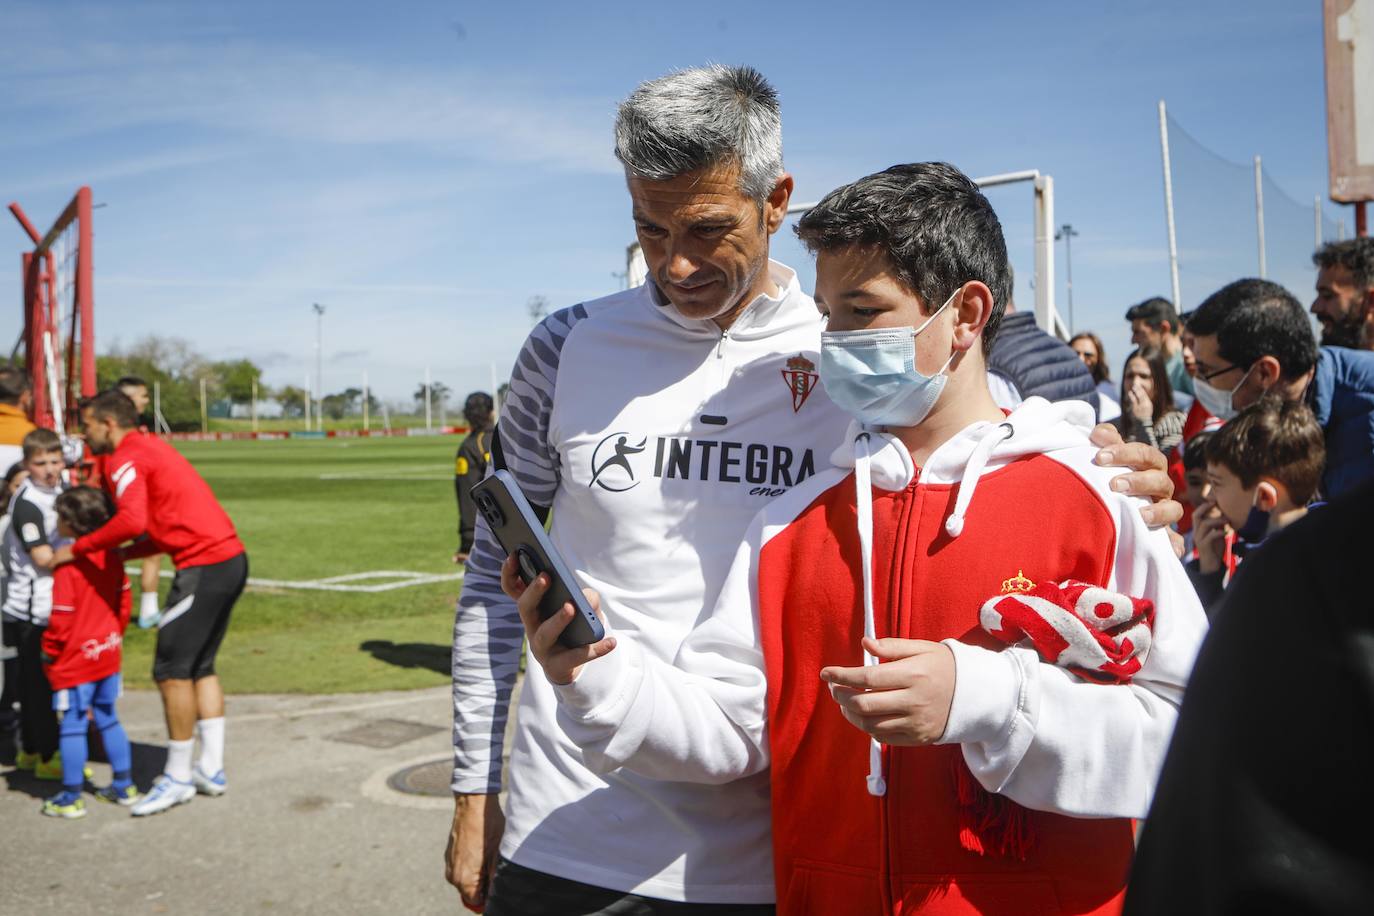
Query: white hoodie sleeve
1053	742
700	719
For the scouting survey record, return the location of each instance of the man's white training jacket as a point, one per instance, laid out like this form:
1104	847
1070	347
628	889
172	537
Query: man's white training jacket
656	439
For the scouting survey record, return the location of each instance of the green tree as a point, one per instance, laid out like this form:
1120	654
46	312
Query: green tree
439	395
292	400
236	378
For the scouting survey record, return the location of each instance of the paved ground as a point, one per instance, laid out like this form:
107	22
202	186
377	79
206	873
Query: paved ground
309	823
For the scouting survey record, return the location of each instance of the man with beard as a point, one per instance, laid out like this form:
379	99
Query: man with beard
1345	293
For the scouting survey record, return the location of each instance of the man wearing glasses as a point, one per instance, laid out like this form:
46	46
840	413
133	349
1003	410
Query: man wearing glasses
1253	338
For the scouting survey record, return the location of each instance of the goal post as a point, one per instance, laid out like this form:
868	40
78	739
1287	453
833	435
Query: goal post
59	312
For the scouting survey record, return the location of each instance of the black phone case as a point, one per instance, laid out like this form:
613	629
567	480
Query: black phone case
517	530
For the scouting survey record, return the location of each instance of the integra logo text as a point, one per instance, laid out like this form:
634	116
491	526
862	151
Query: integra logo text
771	469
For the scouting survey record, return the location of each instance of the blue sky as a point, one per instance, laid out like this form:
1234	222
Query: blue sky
423	169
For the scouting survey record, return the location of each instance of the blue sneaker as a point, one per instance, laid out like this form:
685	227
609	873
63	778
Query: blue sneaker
126	796
66	804
165	793
209	785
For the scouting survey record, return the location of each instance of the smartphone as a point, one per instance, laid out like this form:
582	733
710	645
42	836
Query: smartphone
518	531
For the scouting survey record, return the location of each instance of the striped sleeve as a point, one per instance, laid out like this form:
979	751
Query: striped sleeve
487	634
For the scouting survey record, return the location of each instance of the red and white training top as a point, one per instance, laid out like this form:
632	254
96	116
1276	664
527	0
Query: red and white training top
159	494
90	611
866	828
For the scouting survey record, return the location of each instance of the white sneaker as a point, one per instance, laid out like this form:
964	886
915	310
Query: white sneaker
209	785
165	793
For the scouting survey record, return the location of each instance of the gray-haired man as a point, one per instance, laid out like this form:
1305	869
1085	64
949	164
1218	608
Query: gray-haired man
656	422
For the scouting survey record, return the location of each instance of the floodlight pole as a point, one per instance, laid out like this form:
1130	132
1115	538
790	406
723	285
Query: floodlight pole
1169	203
429	415
1066	232
1259	214
319	365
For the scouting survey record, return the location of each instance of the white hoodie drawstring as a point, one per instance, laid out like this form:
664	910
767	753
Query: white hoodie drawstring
954	525
863	487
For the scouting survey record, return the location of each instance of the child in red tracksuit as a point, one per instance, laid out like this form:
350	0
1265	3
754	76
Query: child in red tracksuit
82	654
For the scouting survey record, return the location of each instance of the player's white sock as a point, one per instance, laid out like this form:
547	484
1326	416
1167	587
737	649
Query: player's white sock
179	760
148	610
211	745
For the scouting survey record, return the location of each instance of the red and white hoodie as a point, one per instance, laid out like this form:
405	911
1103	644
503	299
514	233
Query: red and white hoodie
90	611
878	545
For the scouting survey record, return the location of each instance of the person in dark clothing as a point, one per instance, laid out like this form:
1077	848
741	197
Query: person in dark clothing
470	466
1250	815
1035	362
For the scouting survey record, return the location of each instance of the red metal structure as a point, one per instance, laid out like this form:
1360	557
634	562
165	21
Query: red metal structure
58	290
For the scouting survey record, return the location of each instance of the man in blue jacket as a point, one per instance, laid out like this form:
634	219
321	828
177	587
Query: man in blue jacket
1253	337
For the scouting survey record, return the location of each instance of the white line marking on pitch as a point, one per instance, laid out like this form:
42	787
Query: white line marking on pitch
348	582
400	477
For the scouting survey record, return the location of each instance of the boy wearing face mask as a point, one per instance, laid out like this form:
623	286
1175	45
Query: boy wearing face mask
1263	469
958	776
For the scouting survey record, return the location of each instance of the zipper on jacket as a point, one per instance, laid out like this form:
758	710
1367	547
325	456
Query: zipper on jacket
901	559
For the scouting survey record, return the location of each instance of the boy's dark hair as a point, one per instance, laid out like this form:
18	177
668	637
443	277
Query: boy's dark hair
1162	401
477	410
130	381
113	405
1273	438
1154	312
1253	318
84	508
936	228
40	442
1355	255
13	383
1195	450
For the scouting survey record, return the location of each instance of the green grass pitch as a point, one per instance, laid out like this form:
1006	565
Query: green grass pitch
312	509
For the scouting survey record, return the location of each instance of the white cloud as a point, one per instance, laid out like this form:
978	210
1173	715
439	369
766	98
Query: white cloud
94	81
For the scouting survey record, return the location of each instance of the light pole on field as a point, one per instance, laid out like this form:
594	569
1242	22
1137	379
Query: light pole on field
1066	232
319	365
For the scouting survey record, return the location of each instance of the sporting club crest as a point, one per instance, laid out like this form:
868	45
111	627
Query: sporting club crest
801	379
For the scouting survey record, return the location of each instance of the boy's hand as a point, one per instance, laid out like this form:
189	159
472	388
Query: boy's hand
1149	477
906	700
1209	537
561	664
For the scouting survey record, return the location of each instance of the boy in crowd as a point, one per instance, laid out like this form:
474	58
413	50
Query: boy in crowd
1194	461
1021	777
29	546
82	652
1263	468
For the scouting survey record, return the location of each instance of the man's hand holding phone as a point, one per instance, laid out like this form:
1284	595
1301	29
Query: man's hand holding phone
561	664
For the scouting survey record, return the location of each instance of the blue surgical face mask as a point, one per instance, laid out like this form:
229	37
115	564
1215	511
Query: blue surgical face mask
872	374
